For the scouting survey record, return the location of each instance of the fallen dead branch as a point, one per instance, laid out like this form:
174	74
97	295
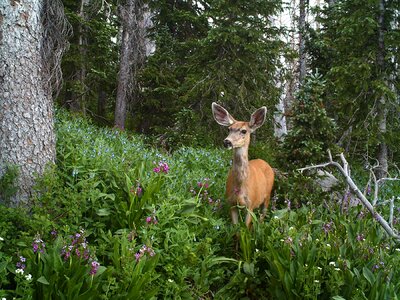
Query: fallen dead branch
345	171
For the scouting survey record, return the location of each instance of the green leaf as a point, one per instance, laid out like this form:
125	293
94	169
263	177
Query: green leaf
248	268
369	275
43	280
102	212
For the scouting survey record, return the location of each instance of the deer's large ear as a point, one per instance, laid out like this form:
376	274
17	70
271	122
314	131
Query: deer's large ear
257	118
221	115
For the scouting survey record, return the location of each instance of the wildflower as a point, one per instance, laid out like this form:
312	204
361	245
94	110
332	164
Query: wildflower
78	245
161	167
19	271
28	277
1	239
319	268
360	237
145	249
137	256
53	233
316	281
151	220
94	267
38	245
369	190
397	249
289	240
328	245
337	269
327	227
332	263
20	264
170	280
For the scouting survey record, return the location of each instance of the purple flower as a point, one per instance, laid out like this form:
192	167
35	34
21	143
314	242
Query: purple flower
161	167
148	220
327	227
360	237
369	190
137	256
94	267
38	245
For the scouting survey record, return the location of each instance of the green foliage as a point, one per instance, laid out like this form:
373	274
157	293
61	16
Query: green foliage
309	253
8	182
345	49
159	228
91	63
219	51
313	131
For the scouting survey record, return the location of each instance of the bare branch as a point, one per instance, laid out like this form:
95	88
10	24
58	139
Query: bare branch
345	172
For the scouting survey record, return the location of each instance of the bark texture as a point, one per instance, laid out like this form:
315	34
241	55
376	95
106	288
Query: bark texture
382	110
26	109
133	53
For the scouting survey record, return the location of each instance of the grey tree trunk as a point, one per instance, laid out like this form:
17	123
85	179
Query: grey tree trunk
26	108
382	110
133	52
302	46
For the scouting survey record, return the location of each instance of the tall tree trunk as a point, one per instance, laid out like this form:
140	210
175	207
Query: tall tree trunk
101	102
302	46
82	42
382	155
133	51
26	108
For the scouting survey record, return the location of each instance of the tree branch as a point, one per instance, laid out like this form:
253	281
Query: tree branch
345	172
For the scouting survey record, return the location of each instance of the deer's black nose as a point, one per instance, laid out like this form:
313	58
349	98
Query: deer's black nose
227	143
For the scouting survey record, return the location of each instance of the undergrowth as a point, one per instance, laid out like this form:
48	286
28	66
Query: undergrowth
116	219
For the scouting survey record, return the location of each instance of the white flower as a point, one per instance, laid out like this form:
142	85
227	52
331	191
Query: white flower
319	268
291	228
1	239
19	271
337	269
328	245
28	277
316	281
276	217
397	249
3	298
170	280
332	263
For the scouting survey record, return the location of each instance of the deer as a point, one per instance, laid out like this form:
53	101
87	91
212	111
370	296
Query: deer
249	183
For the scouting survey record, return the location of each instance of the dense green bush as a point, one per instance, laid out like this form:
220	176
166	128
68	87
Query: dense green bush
115	219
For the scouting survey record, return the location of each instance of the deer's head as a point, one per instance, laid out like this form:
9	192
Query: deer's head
239	131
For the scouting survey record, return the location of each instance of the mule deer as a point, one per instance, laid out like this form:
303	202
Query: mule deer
249	183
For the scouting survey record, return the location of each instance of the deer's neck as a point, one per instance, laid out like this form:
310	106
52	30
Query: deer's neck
240	164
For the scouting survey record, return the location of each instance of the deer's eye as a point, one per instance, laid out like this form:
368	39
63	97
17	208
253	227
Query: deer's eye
243	131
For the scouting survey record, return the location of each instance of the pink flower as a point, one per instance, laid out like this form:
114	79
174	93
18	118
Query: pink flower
94	267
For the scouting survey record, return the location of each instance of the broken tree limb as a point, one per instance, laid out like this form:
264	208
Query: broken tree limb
346	173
